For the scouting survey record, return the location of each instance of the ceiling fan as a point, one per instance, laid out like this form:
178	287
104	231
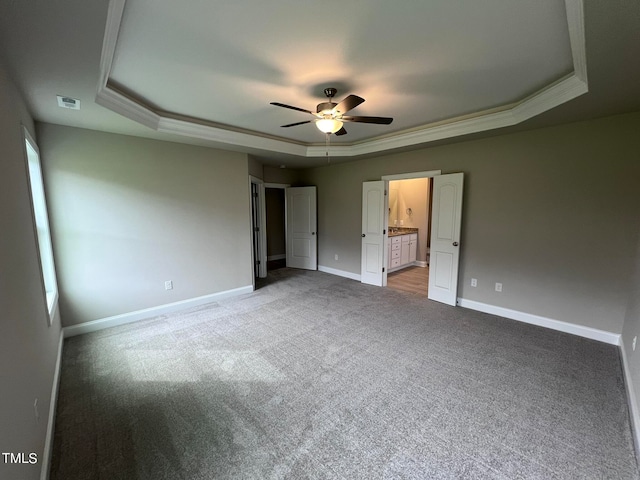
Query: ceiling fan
330	116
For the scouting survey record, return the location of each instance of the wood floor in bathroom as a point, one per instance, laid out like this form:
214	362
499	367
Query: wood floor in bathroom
410	279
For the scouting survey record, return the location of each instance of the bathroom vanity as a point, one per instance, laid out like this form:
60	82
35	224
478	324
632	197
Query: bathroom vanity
402	247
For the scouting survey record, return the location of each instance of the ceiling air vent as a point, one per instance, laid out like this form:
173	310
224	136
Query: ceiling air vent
68	102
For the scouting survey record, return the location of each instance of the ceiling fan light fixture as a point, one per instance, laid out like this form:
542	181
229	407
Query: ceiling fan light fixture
329	125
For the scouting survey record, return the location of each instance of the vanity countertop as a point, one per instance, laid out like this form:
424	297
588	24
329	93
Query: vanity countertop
395	231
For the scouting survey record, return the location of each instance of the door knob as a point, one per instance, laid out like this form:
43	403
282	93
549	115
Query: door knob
455	244
363	235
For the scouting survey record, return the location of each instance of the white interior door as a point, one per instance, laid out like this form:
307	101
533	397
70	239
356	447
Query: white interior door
446	217
302	241
375	206
258	225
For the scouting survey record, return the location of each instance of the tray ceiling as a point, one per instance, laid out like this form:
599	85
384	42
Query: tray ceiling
440	68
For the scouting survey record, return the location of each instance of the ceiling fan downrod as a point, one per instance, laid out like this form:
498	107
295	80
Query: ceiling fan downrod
326	107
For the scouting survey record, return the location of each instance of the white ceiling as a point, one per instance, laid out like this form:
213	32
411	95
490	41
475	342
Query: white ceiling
216	65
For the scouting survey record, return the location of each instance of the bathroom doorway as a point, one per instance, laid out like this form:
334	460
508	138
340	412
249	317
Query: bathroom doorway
409	235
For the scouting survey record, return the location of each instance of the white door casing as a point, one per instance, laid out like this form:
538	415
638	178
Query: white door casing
302	239
446	218
375	206
259	221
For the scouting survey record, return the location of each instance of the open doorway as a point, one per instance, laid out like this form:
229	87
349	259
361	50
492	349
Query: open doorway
408	242
275	202
444	249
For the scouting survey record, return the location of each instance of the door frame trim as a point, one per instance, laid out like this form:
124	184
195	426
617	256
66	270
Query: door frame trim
262	238
411	175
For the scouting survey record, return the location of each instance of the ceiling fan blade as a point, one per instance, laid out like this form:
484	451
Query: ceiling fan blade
342	131
294	124
352	101
379	120
291	107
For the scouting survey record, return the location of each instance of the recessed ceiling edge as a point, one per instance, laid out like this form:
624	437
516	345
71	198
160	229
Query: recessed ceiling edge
545	99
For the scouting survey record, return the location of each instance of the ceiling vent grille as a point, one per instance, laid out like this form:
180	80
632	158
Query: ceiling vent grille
68	102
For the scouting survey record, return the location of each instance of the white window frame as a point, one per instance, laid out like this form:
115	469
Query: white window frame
40	220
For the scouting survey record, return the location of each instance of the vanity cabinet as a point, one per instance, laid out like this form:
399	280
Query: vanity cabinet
402	251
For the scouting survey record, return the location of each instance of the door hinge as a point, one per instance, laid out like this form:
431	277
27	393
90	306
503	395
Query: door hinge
256	229
255	195
382	269
385	192
257	262
384	232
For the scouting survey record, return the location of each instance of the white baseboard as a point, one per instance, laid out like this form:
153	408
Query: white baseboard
340	273
420	263
53	402
102	323
281	256
587	332
634	413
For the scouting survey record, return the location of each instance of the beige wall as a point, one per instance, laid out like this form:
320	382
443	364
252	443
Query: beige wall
550	213
28	345
255	167
128	214
287	176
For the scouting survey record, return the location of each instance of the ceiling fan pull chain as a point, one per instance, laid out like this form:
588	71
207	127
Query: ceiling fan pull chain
327	143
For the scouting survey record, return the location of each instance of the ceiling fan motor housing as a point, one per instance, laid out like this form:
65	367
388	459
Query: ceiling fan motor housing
325	106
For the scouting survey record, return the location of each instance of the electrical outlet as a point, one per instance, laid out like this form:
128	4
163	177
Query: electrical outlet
474	282
498	287
633	345
168	285
336	256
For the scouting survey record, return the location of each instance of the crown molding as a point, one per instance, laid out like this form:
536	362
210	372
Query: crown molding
111	30
231	137
115	101
575	22
545	99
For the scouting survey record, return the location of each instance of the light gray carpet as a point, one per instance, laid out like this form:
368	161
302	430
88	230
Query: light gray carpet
316	376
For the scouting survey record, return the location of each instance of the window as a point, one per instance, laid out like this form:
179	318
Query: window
41	222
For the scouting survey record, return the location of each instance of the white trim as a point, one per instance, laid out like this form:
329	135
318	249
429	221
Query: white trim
634	413
545	99
110	40
412	175
46	261
340	273
417	263
48	442
276	185
262	238
117	102
280	256
575	22
582	331
548	98
114	321
229	137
